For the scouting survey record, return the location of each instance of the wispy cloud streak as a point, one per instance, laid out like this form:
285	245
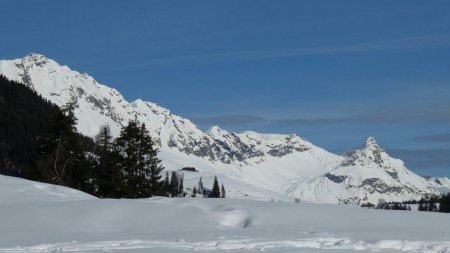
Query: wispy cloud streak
402	43
373	116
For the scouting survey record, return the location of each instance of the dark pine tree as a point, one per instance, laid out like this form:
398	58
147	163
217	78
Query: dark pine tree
444	203
194	192
137	162
106	174
200	188
181	186
174	184
167	184
58	150
215	192
222	192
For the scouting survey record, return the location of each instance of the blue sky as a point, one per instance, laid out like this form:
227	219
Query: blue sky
334	72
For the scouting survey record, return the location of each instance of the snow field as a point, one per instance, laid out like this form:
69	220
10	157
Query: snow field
42	222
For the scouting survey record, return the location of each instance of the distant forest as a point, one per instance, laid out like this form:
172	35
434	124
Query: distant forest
39	141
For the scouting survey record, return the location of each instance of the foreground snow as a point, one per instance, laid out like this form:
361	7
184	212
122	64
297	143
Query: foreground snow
76	222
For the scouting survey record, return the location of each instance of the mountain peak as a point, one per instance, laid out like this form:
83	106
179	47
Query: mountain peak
35	57
215	129
371	143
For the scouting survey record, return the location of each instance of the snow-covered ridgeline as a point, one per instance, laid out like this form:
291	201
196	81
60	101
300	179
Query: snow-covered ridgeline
252	164
101	105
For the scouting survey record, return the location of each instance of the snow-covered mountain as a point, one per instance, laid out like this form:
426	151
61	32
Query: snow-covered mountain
252	164
365	176
442	184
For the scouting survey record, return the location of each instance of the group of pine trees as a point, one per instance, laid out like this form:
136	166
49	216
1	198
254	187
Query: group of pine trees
392	206
214	192
39	141
126	167
426	204
24	115
174	187
431	204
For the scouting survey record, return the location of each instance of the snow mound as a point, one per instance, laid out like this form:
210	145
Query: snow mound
17	190
234	217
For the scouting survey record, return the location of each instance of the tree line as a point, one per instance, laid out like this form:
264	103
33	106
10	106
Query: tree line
425	204
39	141
431	204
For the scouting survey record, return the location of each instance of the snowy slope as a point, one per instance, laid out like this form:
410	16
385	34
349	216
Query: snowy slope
366	175
16	190
40	224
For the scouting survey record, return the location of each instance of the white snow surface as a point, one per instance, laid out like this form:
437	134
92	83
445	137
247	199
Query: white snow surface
250	164
41	222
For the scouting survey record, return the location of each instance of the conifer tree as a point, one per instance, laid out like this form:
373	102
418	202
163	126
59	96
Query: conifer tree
167	184
138	163
181	186
222	192
200	188
174	184
194	192
106	176
215	192
59	150
444	203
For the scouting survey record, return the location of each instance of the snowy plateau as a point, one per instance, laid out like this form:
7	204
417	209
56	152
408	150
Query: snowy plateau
251	165
37	217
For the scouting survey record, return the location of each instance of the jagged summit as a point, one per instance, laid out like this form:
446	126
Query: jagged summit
35	57
371	143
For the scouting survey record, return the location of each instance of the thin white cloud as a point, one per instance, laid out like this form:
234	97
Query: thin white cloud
402	43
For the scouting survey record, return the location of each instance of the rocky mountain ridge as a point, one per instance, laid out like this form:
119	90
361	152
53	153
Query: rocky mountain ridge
283	164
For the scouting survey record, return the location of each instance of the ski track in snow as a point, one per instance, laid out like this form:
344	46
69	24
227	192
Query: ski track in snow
326	243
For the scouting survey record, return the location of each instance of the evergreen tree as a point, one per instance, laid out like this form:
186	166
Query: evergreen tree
59	149
215	192
167	184
194	192
137	162
200	188
106	173
222	192
444	203
174	184
432	207
181	186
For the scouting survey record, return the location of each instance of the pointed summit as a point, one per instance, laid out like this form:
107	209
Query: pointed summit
214	130
371	144
33	57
